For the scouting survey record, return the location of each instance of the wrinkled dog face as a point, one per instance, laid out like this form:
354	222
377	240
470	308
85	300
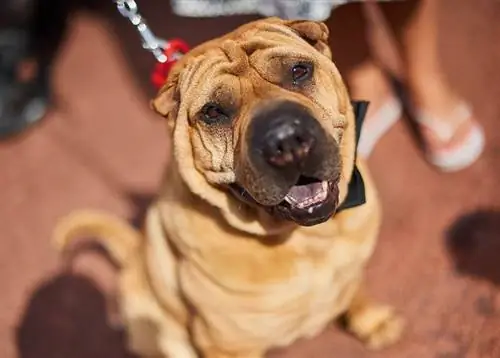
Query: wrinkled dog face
267	117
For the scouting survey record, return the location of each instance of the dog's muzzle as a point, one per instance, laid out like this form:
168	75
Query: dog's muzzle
295	164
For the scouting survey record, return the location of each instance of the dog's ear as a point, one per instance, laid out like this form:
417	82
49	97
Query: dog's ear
166	102
316	33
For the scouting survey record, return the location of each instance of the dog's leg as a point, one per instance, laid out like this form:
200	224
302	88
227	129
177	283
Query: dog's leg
376	324
165	339
157	322
153	333
151	330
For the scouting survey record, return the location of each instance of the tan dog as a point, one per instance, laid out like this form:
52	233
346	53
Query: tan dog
243	249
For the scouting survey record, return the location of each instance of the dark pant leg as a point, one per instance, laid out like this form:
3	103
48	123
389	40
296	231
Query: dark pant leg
30	31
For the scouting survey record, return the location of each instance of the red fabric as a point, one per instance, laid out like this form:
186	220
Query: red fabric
161	70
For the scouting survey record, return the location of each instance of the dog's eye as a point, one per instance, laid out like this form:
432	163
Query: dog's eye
301	72
213	113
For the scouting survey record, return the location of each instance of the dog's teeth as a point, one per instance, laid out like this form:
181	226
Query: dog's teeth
319	194
310	210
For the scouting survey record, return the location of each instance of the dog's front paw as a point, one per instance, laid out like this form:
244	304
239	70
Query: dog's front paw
377	325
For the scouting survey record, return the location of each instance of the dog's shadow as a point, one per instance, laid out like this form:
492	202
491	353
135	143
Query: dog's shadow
66	317
473	242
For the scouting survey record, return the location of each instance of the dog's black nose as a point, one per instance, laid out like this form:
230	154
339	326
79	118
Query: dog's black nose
284	136
287	142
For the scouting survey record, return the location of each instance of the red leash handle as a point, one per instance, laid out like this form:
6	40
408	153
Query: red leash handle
173	49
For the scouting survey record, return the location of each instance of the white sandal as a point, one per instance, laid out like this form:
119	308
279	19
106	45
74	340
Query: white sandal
452	147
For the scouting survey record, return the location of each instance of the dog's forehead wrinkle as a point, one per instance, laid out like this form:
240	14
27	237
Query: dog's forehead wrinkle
276	29
270	35
233	50
236	56
279	36
196	72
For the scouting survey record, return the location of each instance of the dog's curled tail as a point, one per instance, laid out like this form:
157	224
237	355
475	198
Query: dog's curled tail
117	236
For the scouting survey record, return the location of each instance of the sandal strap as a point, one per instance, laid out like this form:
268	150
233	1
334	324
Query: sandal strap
445	131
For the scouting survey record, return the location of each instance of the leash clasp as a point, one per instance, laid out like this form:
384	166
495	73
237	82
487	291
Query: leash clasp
129	9
165	52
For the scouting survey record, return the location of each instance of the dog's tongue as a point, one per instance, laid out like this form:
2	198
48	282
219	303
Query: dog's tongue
305	195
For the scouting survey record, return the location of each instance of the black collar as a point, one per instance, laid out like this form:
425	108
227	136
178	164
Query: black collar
356	191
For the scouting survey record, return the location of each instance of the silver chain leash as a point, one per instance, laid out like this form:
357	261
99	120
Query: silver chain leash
128	9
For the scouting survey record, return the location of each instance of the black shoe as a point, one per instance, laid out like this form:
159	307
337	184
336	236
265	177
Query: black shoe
23	102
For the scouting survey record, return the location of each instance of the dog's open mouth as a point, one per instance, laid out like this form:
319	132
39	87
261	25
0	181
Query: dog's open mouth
307	193
309	202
